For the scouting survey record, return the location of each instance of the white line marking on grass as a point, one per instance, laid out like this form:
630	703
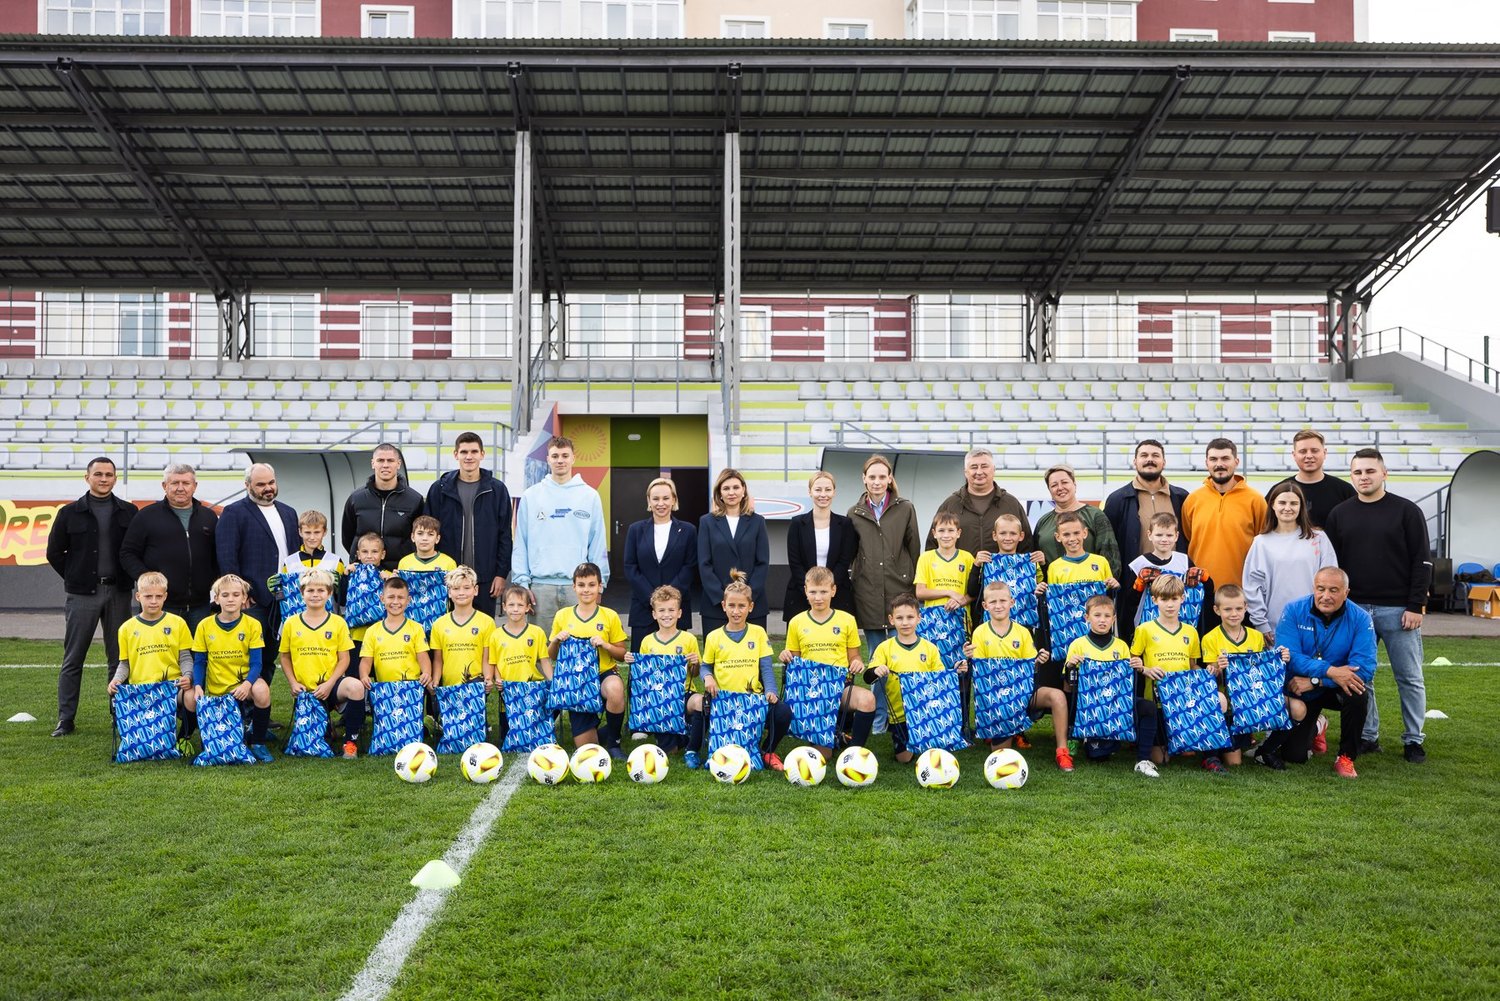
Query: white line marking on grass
374	982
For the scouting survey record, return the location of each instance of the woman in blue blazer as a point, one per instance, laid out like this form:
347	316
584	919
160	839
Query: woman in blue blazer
802	548
659	550
732	537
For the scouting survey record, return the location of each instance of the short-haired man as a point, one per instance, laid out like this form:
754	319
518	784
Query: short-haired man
256	534
474	509
1332	646
84	548
1221	518
559	524
175	536
978	503
1131	508
385	505
1382	542
1323	491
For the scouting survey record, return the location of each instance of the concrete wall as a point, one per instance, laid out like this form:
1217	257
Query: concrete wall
1452	398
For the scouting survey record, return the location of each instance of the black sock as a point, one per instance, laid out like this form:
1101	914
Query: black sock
354	719
187	723
859	733
613	724
695	731
1273	742
260	722
502	727
965	686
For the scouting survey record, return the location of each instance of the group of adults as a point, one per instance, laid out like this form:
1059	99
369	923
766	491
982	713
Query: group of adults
1374	541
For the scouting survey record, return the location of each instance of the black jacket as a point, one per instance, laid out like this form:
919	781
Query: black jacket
678	567
388	513
493	514
155	542
1123	509
73	544
802	555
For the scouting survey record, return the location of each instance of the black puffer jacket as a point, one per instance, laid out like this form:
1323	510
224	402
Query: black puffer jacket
388	513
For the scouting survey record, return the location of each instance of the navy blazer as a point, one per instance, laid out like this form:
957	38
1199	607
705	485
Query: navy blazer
749	550
802	555
247	548
677	567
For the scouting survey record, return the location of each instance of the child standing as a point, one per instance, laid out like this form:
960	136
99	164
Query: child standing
461	637
589	620
312	526
737	658
1164	644
227	652
517	650
999	637
369	553
426	533
315	649
1163	559
1077	565
906	652
827	636
1232	635
395	648
668	640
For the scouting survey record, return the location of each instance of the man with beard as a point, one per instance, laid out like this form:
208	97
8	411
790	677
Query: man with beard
1221	519
256	533
1131	508
1323	491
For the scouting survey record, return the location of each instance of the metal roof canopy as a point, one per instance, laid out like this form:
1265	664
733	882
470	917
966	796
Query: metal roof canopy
901	166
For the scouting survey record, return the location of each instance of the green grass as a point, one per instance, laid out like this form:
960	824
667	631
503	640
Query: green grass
164	881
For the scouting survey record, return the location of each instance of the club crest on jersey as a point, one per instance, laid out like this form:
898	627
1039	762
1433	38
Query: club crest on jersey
677	649
531	641
328	634
922	657
1094	566
836	630
165	631
1184	641
751	644
406	637
474	631
599	628
241	637
1015	644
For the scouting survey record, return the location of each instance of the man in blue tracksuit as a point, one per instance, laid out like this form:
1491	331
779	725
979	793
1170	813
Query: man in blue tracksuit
1332	643
559	524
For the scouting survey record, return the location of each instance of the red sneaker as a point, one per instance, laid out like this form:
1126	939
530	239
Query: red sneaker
1022	744
1064	759
1213	765
773	762
1343	767
1320	741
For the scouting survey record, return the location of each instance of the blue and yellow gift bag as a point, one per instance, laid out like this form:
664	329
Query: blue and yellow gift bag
309	736
1256	682
1017	570
575	678
934	710
398	715
362	595
1192	606
1190	702
1106	700
146	722
292	603
1065	613
814	692
1003	687
658	693
738	718
429	595
946	629
223	731
461	713
527	716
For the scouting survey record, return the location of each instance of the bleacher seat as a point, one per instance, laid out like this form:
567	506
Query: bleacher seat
863	390
956	412
354	410
899	411
383	410
845	410
872	410
944	391
835	390
929	411
892	389
815	410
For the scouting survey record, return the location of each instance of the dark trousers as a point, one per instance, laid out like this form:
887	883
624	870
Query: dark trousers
484	602
82	614
192	614
1296	747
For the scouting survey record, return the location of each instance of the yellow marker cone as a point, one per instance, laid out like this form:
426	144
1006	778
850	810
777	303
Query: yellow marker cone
1441	662
435	875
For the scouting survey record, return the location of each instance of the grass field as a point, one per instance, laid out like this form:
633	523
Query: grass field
169	882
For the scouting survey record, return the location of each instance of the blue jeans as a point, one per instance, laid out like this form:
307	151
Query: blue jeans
1404	647
875	637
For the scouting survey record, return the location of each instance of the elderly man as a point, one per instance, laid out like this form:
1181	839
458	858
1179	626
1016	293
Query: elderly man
474	509
978	503
1131	508
385	505
1323	491
175	536
1382	541
256	534
1332	643
84	548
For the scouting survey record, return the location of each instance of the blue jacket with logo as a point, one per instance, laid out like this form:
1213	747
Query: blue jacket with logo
1316	644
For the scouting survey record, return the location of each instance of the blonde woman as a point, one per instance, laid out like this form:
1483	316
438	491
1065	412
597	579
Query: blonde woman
820	538
659	551
732	537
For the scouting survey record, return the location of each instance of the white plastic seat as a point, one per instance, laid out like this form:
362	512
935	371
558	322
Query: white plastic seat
316	391
240	411
1208	411
1236	410
872	410
182	410
237	389
929	412
354	410
1068	410
1124	412
881	372
944	391
1182	390
1153	411
956	412
440	410
211	411
1023	391
94	409
1041	410
898	410
1013	411
984	411
864	390
918	391
414	410
815	410
383	410
343	391
296	410
892	389
1096	411
844	410
777	373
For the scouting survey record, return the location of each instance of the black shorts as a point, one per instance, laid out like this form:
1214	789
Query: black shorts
1050	674
335	702
582	722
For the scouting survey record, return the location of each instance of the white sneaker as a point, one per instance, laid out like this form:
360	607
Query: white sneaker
638	735
1147	769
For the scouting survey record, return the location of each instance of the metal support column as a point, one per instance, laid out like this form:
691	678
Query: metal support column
1041	327
730	339
236	325
1348	309
520	312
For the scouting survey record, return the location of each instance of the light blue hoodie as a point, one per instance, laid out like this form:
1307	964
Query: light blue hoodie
558	526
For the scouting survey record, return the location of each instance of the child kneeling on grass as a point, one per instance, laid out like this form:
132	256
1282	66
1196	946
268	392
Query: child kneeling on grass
668	640
904	653
1099	643
315	657
157	646
600	626
227	660
737	658
1001	638
1232	635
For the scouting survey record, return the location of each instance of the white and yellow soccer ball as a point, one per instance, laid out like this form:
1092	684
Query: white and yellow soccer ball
590	764
647	764
547	765
730	764
481	763
805	766
857	767
1006	769
936	769
415	762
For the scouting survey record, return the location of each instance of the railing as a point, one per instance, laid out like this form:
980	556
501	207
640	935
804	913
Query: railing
1403	341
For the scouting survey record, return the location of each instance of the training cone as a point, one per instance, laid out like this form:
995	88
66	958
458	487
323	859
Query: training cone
1441	662
435	875
22	718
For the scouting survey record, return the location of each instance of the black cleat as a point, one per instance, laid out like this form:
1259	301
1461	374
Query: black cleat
1369	746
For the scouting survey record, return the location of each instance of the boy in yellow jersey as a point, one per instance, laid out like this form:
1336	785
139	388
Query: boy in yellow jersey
942	575
999	637
395	648
157	646
1164	644
1099	643
369	550
737	658
602	628
517	649
227	660
460	638
901	654
1077	565
1231	635
312	526
668	640
315	657
825	635
426	533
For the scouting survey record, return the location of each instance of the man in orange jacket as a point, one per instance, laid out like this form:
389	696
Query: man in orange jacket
1221	518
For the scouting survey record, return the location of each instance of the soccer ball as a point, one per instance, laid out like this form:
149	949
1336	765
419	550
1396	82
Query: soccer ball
936	769
415	762
857	767
647	764
481	763
590	764
805	766
730	764
547	764
1006	769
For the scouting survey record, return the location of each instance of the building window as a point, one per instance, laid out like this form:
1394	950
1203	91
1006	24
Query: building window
385	330
1195	335
968	326
256	18
103	324
104	17
846	28
508	19
284	326
745	27
755	332
631	19
1292	36
985	19
1194	35
625	326
1085	19
847	333
388	22
1294	336
481	326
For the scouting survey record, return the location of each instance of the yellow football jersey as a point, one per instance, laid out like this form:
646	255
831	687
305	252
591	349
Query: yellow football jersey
315	649
438	561
393	652
228	646
899	658
943	574
1088	567
153	650
684	644
1013	644
1170	650
1085	648
604	623
735	664
1215	642
462	645
826	642
518	658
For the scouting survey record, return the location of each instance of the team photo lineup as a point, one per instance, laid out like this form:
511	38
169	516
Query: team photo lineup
1208	628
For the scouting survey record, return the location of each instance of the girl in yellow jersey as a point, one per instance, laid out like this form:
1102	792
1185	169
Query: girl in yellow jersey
737	658
227	652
